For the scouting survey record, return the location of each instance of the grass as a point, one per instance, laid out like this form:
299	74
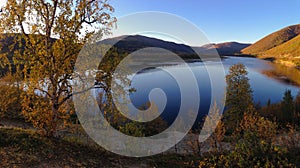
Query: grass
290	48
26	148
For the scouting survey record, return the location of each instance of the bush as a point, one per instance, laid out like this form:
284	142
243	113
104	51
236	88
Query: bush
254	146
10	104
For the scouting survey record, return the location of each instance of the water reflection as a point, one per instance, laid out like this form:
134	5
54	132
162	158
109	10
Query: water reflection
289	75
264	85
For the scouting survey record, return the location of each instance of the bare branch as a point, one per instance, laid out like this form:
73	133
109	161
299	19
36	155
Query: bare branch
53	18
90	22
76	93
43	91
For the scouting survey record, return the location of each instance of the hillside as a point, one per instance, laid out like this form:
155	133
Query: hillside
290	48
288	52
275	39
133	43
136	42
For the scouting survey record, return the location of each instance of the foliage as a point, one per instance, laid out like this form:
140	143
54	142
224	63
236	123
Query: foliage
132	129
122	88
238	95
271	111
254	128
292	139
10	105
51	37
287	108
297	109
215	126
104	78
10	95
144	129
38	110
254	147
285	112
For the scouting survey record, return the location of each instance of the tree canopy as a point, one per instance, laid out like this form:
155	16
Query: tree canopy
50	34
238	96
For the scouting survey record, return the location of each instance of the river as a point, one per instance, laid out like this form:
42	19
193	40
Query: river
267	80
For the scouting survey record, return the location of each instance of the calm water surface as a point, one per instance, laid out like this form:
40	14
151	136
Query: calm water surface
264	86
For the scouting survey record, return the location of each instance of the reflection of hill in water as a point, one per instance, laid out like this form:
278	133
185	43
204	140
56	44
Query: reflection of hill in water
284	74
159	67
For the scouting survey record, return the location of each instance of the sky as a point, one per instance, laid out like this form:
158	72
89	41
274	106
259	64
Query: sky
243	21
2	2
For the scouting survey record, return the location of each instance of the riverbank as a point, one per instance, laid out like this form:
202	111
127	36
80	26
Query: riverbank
285	70
291	62
287	63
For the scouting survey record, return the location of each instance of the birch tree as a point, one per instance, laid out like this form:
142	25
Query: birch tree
50	34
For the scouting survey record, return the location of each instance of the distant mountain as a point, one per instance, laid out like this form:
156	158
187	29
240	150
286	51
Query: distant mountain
133	43
275	39
230	48
129	44
136	42
226	49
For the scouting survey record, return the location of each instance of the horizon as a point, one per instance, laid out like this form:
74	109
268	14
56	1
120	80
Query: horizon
230	21
169	39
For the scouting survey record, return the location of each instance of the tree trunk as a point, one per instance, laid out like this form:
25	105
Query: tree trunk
53	129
